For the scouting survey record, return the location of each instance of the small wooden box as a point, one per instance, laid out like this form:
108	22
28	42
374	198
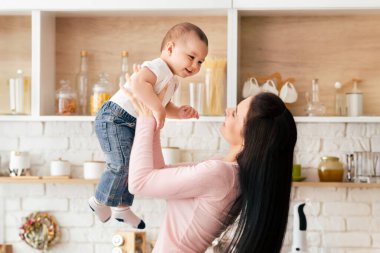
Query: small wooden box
5	248
130	242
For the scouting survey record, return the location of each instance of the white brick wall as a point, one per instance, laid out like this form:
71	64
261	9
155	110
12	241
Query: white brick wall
344	220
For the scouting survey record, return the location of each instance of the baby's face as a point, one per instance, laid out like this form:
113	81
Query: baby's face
188	54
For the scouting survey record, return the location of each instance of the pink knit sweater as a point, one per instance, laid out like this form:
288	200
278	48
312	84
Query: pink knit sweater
198	195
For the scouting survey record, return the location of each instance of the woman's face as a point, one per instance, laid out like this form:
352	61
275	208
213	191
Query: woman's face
233	126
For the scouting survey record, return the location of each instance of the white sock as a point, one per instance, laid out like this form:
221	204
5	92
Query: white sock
125	214
102	211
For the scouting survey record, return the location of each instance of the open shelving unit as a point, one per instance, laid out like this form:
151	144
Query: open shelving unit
250	34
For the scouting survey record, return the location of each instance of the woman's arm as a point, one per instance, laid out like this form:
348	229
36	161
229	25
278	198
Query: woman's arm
171	183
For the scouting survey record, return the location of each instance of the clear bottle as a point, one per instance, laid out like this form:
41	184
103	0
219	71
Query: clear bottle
101	92
314	107
66	99
82	84
19	94
124	69
340	105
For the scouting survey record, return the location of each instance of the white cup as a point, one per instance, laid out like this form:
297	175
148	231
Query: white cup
93	169
270	86
60	168
288	93
251	88
172	155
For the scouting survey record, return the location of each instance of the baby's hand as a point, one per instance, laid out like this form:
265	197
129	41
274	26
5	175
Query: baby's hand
187	112
160	118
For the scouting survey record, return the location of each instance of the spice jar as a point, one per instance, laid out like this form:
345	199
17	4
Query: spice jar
66	99
101	92
330	169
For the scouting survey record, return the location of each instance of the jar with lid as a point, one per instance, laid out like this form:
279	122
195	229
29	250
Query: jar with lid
330	169
101	92
66	99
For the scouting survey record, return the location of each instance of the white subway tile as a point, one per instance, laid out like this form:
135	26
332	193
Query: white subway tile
201	143
364	195
179	142
69	219
68	129
322	223
15	129
44	143
307	159
177	129
9	143
45	204
79	204
348	239
206	129
359	224
356	130
98	235
345	145
346	209
321	194
15	218
375	143
103	247
308	145
12	204
321	130
376	209
65	235
72	248
75	157
84	143
376	240
372	129
12	235
21	190
69	190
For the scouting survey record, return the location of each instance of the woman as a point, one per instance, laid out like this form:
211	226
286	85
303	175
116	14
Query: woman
253	181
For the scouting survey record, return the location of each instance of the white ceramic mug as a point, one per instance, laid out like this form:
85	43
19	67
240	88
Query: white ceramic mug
288	93
60	168
93	169
251	88
172	155
270	86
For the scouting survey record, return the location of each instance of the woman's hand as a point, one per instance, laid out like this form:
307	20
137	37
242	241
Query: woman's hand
140	107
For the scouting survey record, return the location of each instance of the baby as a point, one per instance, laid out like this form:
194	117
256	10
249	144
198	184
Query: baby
183	50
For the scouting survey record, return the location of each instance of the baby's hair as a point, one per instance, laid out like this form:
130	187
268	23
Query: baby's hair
180	29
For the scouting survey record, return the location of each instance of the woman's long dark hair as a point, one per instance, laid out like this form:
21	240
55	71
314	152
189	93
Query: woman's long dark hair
265	176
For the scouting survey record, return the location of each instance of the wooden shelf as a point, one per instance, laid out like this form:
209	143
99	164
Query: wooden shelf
12	180
336	184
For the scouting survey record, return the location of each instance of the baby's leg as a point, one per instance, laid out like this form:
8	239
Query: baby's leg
115	130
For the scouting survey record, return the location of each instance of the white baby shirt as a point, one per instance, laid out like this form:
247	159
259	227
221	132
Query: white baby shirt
164	76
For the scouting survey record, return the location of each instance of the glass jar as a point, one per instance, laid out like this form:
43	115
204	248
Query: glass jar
101	92
66	99
330	169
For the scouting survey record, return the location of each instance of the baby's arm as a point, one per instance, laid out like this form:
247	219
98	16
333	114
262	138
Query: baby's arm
182	112
142	87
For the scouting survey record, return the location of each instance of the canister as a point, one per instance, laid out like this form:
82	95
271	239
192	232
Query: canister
60	168
93	169
172	155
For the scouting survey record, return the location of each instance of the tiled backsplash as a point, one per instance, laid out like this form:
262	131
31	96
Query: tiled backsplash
344	219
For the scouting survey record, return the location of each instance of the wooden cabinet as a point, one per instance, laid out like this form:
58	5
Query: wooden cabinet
300	39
